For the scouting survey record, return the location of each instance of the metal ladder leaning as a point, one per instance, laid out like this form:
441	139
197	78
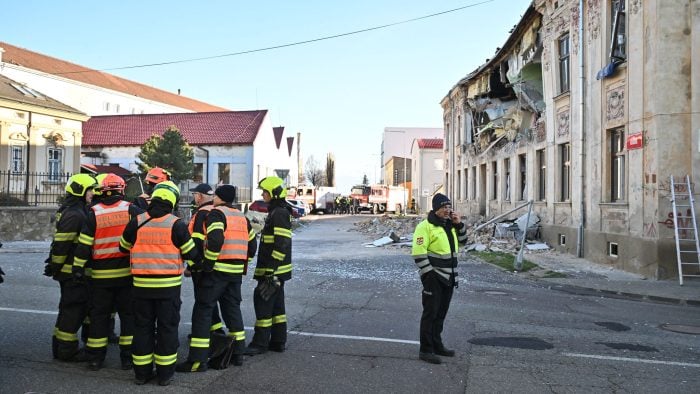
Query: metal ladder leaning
682	255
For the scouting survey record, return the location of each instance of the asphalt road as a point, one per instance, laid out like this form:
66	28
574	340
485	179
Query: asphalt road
353	318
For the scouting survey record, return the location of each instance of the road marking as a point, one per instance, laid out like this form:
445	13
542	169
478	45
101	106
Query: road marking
29	311
634	360
359	338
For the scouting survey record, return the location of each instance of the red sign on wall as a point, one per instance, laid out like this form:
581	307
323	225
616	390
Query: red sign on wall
635	141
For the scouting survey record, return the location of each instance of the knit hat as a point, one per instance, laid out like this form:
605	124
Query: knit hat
440	200
226	192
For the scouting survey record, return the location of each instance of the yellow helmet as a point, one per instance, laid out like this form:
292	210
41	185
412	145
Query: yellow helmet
167	191
99	178
273	185
78	184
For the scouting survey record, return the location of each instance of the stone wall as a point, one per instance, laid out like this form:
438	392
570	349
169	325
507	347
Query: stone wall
27	223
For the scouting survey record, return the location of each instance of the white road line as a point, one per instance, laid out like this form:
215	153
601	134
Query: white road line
359	338
29	311
633	360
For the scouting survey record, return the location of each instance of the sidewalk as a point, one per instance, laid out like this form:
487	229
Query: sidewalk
582	277
587	278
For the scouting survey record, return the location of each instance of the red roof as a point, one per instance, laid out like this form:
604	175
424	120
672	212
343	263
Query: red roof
198	128
430	143
50	65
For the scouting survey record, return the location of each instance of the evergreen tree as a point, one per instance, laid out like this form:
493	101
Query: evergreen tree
170	152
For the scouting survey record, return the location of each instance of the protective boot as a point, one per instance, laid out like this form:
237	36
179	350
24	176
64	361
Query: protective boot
431	358
237	356
126	360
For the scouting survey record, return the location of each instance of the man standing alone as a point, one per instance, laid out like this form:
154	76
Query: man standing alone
434	250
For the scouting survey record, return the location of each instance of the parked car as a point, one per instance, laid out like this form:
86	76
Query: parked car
262	206
300	206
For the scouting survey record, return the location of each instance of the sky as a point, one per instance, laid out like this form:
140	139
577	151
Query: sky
338	93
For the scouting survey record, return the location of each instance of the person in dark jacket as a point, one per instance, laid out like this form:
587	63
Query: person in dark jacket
154	176
434	250
73	305
273	269
110	281
230	243
158	243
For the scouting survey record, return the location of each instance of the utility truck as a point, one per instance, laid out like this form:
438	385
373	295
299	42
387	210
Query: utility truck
379	198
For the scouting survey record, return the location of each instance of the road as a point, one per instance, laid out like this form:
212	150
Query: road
353	316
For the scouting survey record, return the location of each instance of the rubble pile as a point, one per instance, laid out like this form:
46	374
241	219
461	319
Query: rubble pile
504	236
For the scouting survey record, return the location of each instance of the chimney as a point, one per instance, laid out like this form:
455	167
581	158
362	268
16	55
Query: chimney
178	91
1	51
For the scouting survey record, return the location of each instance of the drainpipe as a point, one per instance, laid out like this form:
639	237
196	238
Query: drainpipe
206	174
582	137
29	150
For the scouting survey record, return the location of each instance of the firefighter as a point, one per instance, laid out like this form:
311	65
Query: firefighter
203	195
73	305
273	269
230	243
154	176
158	241
98	247
434	251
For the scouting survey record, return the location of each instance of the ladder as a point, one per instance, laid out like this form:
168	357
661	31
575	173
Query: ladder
688	231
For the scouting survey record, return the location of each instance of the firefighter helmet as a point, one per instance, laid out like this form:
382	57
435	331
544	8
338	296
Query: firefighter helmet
273	185
112	182
157	175
167	191
78	184
99	178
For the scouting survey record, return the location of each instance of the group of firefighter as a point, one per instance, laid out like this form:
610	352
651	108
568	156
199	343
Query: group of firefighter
111	255
343	205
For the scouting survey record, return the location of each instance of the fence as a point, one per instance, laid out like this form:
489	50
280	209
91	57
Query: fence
27	188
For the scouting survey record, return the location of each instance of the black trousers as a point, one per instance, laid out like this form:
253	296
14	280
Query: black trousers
156	323
212	288
72	310
270	319
436	301
215	316
105	300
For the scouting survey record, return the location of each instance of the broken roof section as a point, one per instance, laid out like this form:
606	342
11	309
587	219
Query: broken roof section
505	95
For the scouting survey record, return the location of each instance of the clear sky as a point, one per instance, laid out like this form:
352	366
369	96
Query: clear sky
339	93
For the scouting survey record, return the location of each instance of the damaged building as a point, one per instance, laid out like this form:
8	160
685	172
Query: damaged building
587	109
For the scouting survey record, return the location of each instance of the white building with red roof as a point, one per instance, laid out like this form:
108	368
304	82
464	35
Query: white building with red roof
232	147
428	170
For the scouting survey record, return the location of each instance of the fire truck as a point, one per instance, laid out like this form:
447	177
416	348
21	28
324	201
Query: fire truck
320	199
379	198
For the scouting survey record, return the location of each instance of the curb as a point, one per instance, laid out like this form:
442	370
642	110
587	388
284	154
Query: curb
587	291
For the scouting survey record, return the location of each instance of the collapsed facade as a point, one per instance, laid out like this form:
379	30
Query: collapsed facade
587	109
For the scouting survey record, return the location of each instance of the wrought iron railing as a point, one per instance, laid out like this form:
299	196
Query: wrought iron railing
27	188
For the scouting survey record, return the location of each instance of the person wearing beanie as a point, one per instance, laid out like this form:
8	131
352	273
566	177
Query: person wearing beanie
434	251
230	244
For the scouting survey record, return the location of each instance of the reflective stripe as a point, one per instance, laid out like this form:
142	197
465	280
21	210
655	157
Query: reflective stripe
64	237
106	240
236	235
263	271
420	256
440	256
110	222
237	335
65	336
426	269
199	342
279	319
164	268
215	226
216	326
198	236
126	340
77	261
282	232
86	239
263	323
277	255
229	268
187	246
58	259
283	269
97	342
112	273
142	360
124	244
157	282
268	239
166	360
153	252
209	255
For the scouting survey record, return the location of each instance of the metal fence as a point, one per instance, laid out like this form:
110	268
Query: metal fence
23	188
27	188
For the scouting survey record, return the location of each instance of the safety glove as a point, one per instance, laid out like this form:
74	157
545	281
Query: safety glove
50	268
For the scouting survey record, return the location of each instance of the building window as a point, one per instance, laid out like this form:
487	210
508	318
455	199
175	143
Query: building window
198	172
522	160
618	32
17	158
116	108
466	183
617	165
564	64
494	180
565	168
473	193
55	163
506	171
106	106
224	173
459	130
458	186
447	135
541	175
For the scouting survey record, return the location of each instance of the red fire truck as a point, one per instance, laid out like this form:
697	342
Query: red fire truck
379	198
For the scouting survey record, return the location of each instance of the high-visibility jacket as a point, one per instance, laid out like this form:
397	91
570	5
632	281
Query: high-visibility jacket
230	240
199	233
275	252
435	247
70	218
154	254
110	221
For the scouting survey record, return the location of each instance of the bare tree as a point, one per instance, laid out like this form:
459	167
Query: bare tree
330	170
313	173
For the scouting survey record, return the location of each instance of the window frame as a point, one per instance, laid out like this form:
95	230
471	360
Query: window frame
618	165
565	172
618	22
541	158
17	164
54	165
564	63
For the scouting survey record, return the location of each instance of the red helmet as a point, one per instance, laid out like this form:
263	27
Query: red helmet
113	182
157	175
